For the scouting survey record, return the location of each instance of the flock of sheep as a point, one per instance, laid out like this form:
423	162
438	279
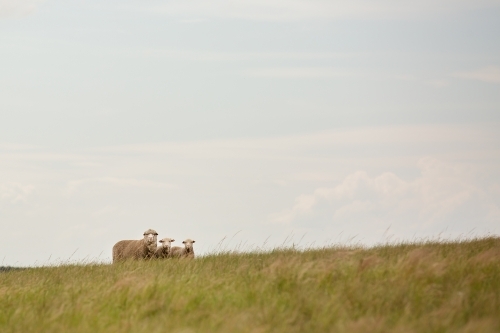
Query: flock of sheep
147	248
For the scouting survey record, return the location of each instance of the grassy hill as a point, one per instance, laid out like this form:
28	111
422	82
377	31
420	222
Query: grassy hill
427	287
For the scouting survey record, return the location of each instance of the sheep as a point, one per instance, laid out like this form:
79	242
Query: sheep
136	249
163	251
186	252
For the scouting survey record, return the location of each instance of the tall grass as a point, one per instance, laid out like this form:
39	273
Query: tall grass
417	287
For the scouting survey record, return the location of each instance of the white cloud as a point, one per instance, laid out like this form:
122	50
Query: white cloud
73	185
17	8
16	147
301	72
489	74
206	56
438	83
435	195
107	210
284	10
483	135
14	192
303	204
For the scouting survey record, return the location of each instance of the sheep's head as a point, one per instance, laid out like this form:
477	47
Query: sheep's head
150	236
188	243
166	243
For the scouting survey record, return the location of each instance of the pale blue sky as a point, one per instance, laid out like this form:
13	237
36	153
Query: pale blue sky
204	118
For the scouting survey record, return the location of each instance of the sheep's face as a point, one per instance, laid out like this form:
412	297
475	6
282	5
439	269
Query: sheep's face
166	243
150	236
188	243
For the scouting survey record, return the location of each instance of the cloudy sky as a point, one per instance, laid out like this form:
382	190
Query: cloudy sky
258	122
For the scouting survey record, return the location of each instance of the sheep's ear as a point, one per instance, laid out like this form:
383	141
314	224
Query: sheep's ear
183	242
156	234
161	240
173	240
193	241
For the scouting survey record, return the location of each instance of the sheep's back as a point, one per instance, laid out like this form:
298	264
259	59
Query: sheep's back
177	251
129	249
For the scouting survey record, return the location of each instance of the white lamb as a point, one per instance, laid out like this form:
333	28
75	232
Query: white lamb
163	251
183	252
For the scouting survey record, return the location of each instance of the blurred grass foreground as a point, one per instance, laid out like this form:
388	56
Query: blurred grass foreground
414	287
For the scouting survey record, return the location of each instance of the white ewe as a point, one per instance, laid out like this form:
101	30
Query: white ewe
183	252
163	251
136	249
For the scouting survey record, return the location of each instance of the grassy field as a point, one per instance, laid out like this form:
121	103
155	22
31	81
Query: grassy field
421	287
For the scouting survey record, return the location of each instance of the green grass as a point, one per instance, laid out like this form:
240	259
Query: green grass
420	287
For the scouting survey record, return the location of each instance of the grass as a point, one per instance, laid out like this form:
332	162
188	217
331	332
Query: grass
418	287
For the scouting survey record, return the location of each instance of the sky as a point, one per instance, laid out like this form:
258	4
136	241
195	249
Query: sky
245	125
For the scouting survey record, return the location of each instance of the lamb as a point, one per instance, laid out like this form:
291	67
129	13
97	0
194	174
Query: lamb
136	249
163	251
186	252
